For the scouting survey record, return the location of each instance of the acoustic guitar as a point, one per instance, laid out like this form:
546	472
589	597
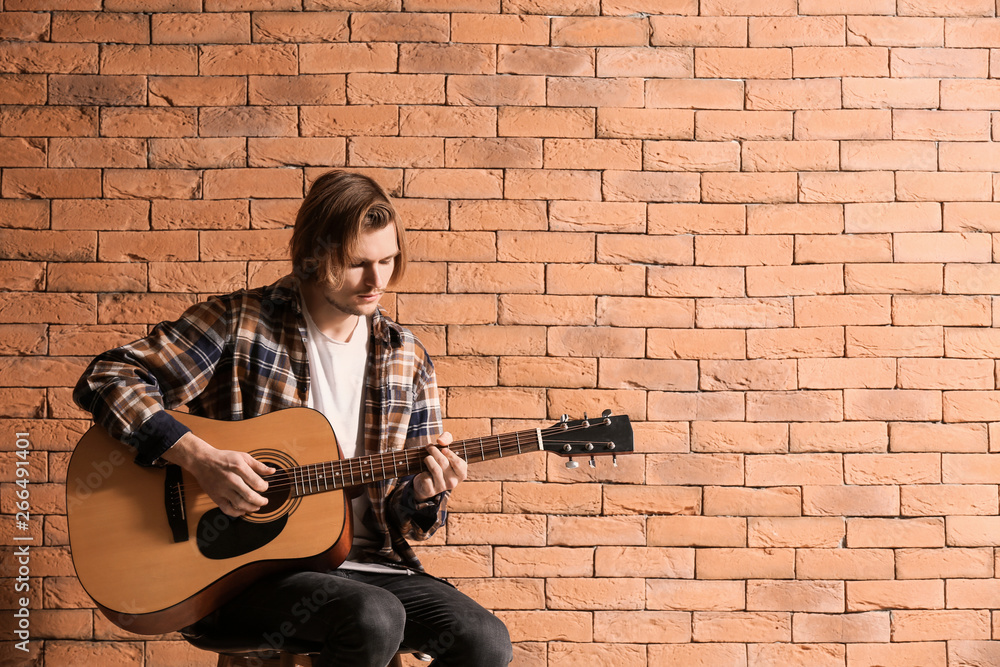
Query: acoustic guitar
156	554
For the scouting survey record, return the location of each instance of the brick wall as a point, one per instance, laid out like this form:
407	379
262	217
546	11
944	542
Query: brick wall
764	229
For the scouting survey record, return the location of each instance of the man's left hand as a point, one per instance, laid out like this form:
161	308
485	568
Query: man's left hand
445	469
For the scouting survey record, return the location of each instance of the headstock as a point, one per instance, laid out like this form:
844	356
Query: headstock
606	435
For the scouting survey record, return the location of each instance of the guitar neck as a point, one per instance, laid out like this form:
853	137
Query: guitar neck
343	473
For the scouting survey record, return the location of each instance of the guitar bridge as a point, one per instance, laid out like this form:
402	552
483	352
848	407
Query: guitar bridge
173	501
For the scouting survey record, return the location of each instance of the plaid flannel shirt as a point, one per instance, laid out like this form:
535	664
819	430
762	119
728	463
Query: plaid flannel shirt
242	355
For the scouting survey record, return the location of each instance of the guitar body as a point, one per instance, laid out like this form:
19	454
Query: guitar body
151	575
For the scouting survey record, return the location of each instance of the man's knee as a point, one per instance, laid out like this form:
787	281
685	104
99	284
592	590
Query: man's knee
483	638
374	629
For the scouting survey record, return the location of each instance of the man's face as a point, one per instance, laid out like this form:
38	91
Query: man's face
367	274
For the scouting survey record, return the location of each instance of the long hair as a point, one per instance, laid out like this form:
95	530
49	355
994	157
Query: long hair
338	208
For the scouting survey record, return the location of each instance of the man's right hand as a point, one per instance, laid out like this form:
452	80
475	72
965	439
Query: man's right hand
231	479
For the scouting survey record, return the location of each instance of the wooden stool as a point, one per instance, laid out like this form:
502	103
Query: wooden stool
247	651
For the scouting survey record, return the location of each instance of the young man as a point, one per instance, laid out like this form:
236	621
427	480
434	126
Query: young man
315	338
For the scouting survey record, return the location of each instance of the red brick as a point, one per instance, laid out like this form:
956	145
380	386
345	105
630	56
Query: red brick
22	89
795	343
364	88
399	27
496	278
548	372
796	31
937	186
168	214
149	60
510	214
18	152
596	342
761	188
299	27
914	124
889	155
237	121
494	153
691	156
86	277
600	31
737	437
545	122
645	123
500	29
396	152
950	562
971	32
698	654
933	654
302	89
779	281
196	91
347	58
695	94
539	310
841	61
31	57
600	531
698	30
749	63
645	62
939	8
800	532
34	308
26	213
548	625
743	563
354	120
447	121
552	184
892	217
151	184
794	94
52	183
94	152
837	436
151	122
885	278
944	63
642	626
558	7
591	92
543	60
938	437
448	59
943	499
213	28
895	93
104	27
935	625
861	124
790	156
756	374
799	596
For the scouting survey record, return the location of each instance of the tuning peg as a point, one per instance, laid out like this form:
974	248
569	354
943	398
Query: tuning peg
614	460
606	414
572	464
592	464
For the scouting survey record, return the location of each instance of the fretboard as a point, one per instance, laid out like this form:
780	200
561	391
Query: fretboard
332	475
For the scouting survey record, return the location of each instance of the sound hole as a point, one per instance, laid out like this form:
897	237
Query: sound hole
277	495
220	536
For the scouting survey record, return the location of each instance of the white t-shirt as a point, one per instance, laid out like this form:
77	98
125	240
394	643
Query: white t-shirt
337	390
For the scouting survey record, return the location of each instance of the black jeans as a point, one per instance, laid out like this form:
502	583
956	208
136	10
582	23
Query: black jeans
362	618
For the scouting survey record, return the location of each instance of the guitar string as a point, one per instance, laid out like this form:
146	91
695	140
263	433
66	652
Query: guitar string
315	474
413	455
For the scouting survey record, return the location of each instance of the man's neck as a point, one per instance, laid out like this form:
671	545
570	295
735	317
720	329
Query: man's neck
329	319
